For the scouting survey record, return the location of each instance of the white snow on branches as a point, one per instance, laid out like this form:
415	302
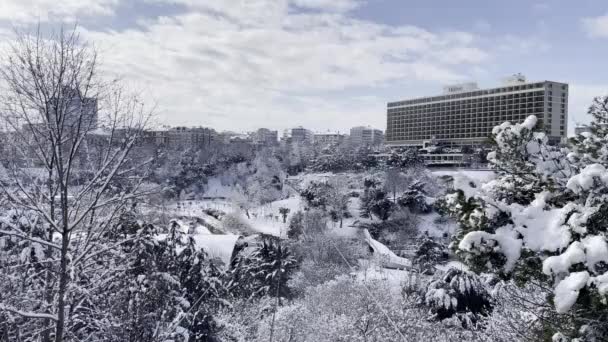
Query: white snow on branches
545	200
587	178
566	292
505	238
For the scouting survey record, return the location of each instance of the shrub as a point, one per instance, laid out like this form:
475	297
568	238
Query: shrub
430	253
322	258
458	294
296	226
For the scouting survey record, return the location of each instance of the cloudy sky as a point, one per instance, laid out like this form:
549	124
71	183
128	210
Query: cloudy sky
328	64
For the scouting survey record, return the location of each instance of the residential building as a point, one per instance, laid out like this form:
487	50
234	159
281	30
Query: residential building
466	115
328	139
186	137
366	136
265	137
301	135
79	112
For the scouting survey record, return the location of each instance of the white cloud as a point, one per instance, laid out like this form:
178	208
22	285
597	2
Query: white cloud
328	5
242	64
248	63
31	11
596	26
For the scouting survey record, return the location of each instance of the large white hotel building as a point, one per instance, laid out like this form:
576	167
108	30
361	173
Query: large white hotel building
465	115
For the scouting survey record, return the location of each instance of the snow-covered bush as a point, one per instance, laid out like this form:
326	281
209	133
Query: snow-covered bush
264	271
322	258
415	198
429	253
348	309
460	295
235	223
296	226
316	194
374	202
167	290
314	223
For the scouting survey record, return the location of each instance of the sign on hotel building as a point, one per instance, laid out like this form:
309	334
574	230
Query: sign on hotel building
465	115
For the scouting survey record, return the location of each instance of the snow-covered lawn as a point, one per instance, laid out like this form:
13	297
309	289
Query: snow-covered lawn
434	226
481	176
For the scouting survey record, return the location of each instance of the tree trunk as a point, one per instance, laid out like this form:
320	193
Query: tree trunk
63	275
63	282
274	312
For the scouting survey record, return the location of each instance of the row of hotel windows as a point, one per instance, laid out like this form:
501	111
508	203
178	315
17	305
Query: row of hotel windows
477	93
456	105
470	108
458	111
477	116
460	133
470	124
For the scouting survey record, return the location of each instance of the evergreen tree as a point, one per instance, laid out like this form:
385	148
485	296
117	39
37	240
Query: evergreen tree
429	253
262	272
542	220
459	294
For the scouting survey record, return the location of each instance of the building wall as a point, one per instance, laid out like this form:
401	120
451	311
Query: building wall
468	117
186	137
302	135
266	137
366	136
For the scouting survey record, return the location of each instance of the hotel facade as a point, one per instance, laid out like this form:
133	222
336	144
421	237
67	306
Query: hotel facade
465	115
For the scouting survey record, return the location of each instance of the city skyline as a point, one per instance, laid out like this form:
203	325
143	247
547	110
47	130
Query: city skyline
326	64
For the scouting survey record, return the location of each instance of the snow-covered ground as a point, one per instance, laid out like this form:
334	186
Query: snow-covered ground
435	226
266	219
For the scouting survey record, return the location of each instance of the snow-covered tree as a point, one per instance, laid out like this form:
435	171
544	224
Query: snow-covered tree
429	253
338	197
296	225
542	219
375	202
67	138
316	194
395	182
262	272
168	289
415	198
284	212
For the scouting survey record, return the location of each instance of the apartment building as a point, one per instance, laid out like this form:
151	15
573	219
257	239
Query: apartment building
266	137
329	139
194	137
366	136
301	135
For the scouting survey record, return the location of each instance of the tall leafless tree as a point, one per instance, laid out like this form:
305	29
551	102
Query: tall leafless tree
395	182
68	134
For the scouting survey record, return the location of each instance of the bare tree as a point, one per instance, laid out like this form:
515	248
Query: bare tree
68	134
395	182
338	196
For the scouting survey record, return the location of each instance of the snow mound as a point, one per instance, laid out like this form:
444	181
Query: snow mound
217	246
384	255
